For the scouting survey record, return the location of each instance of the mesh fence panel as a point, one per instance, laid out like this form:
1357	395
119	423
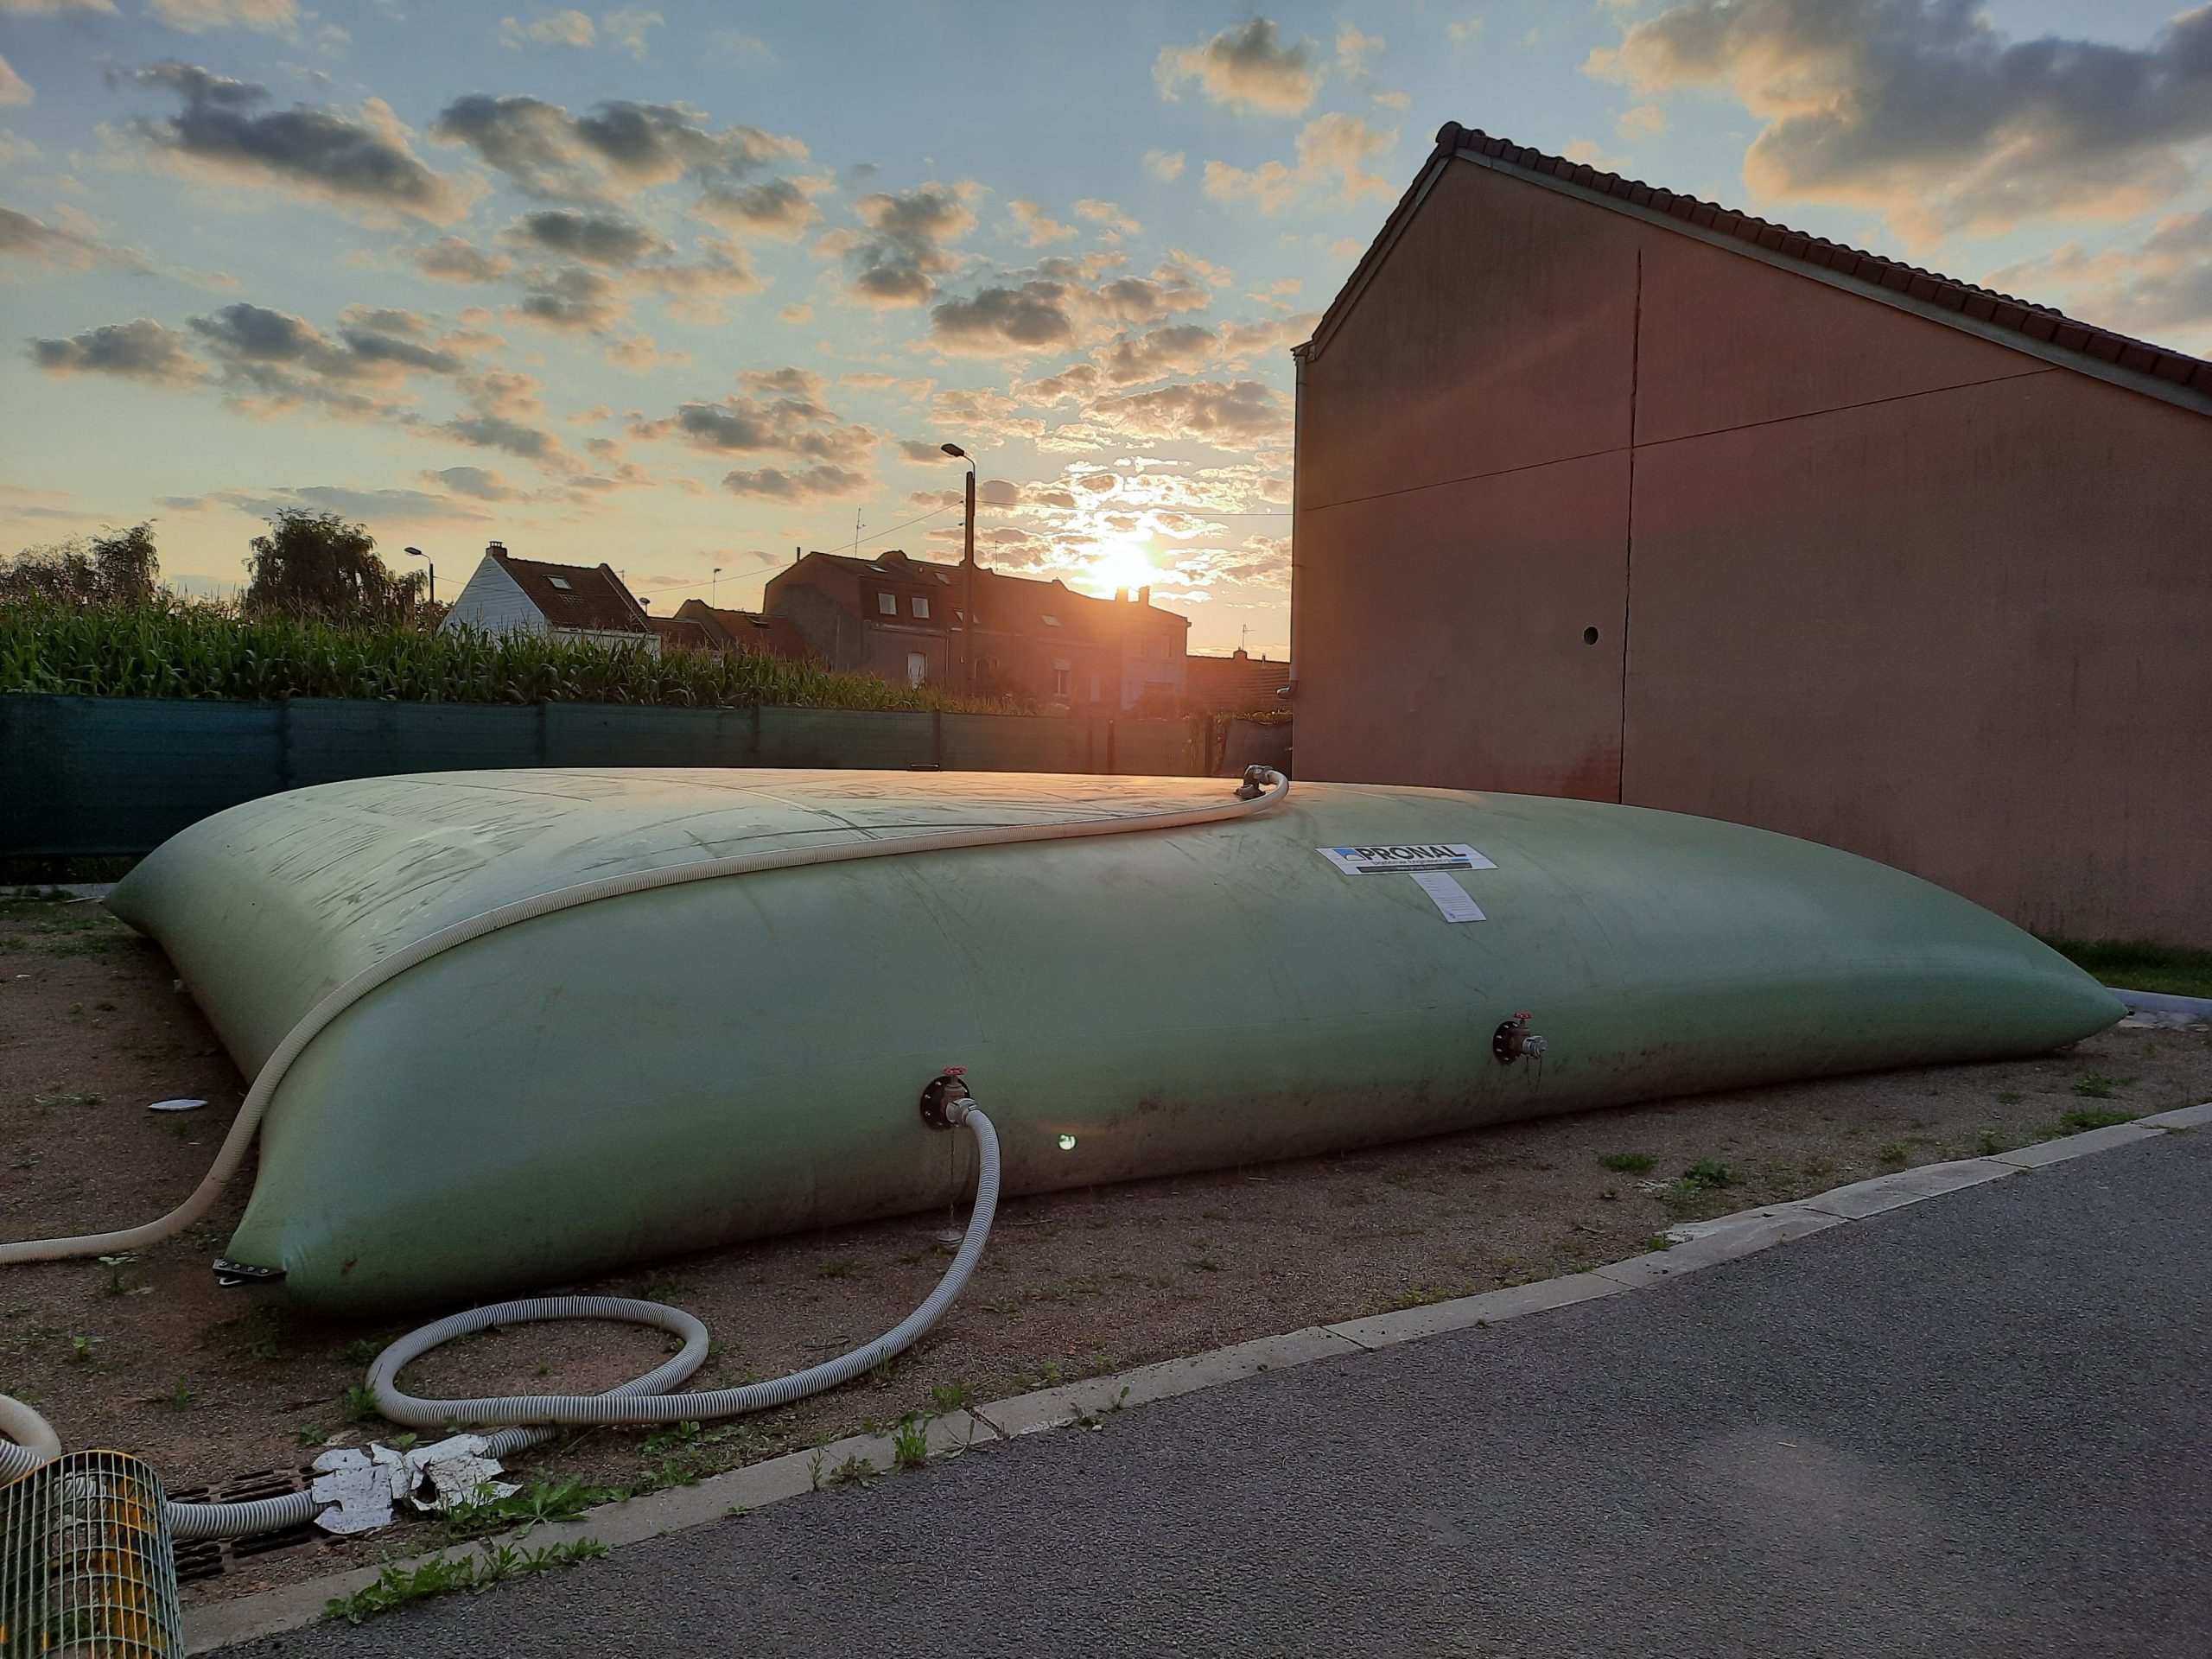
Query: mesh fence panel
85	1571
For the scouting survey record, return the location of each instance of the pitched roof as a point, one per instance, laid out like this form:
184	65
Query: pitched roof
575	595
771	636
2042	330
1237	684
1012	604
681	633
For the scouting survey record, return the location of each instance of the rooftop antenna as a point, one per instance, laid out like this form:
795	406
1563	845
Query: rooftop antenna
856	532
1243	636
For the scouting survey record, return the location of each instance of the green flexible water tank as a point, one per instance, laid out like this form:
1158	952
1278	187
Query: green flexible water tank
742	1056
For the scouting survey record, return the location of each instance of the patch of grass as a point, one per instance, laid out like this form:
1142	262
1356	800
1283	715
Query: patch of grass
910	1442
1628	1163
2010	1097
665	1288
362	1350
84	1350
2083	1119
1419	1296
855	1470
1709	1174
1891	1152
844	1266
118	1283
1202	1264
360	1405
2093	1087
540	1501
443	1574
312	1434
945	1398
259	1333
63	1097
2141	964
179	1397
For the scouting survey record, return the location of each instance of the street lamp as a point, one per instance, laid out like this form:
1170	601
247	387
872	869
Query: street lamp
417	553
967	569
714	586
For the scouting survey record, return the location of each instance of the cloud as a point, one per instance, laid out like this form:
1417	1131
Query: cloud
1356	52
627	29
57	8
1246	68
497	432
451	259
271	361
370	506
1108	214
780	208
560	28
1036	227
139	350
782	416
596	239
904	252
808	484
1925	109
1331	152
56	247
199	17
360	161
613	151
1233	415
1165	165
1029	317
569	298
14	89
1464	30
479	483
2161	287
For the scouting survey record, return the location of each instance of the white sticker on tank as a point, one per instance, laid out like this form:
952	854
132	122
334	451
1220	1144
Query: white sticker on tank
1399	860
1451	898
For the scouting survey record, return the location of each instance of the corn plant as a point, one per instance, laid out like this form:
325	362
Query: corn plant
209	651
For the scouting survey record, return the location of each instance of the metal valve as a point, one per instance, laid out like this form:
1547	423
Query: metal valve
944	1092
1513	1041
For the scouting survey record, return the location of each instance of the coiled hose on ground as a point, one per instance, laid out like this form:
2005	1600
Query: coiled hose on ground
27	1440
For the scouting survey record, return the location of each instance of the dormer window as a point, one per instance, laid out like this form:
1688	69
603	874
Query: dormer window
886	604
921	607
1049	621
561	583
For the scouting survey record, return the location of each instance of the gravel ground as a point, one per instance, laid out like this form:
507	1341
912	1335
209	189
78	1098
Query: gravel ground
148	1354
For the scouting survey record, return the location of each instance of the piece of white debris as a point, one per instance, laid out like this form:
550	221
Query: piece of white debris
182	1104
358	1486
454	1471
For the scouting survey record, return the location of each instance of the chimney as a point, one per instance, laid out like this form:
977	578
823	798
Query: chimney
1237	655
497	549
1121	595
1144	595
796	555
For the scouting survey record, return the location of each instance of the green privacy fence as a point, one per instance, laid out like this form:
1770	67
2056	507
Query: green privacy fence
98	777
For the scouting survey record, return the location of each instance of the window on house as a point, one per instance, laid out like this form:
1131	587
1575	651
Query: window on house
886	604
918	667
1062	678
921	607
561	582
1050	621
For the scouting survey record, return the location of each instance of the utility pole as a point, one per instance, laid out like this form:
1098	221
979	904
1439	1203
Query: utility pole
967	573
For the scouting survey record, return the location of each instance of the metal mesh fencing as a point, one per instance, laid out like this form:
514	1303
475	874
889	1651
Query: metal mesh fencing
85	1571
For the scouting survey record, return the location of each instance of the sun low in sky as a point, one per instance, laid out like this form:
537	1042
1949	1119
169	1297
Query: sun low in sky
678	286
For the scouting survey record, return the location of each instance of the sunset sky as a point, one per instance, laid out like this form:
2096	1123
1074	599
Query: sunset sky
680	286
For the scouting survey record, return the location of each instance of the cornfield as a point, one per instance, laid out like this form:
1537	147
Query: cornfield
209	651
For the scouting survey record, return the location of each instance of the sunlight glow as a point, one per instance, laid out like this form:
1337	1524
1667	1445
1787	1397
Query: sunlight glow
1116	564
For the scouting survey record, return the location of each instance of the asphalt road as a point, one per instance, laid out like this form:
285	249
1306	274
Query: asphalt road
1977	1426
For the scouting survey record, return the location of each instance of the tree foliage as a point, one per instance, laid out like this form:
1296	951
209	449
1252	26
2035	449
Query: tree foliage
119	568
316	564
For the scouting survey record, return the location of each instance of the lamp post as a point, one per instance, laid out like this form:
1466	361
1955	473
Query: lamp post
417	553
715	587
967	573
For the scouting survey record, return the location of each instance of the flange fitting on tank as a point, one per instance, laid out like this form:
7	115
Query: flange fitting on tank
1513	1041
945	1099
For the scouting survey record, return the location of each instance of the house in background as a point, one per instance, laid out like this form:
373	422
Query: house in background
505	595
908	621
1606	491
1238	684
727	630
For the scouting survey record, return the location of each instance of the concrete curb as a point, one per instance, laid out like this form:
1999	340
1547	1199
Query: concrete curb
221	1624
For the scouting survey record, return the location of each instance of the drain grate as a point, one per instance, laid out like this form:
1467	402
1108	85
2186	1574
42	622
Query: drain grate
199	1559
